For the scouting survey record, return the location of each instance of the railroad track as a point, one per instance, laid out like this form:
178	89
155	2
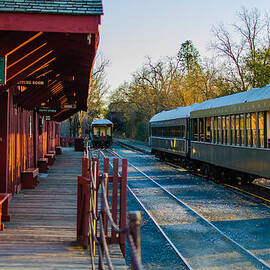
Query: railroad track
191	229
253	190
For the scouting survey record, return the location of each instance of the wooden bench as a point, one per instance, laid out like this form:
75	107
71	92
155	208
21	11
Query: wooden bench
4	216
43	165
54	155
30	178
50	157
58	150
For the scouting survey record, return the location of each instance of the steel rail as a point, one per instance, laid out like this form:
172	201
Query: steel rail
194	211
157	225
228	186
132	245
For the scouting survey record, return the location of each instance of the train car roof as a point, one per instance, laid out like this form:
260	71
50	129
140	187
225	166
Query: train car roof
215	106
180	112
238	98
102	122
247	101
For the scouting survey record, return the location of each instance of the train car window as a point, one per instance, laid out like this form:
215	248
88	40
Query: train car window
253	129
241	131
168	131
230	130
223	125
233	129
195	130
154	131
261	129
201	130
164	132
219	130
248	130
227	129
208	129
237	129
215	129
212	130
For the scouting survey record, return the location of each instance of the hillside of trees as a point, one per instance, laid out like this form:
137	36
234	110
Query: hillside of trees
240	60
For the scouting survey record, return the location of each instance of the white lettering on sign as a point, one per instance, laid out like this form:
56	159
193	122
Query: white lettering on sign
31	82
68	106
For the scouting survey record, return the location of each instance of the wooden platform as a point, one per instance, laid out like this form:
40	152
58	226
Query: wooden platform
42	230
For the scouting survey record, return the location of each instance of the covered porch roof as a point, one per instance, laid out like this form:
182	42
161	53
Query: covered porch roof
49	48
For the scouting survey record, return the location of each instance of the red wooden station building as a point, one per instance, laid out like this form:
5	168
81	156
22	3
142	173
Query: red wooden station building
47	51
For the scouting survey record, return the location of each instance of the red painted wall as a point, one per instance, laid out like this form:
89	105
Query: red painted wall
24	138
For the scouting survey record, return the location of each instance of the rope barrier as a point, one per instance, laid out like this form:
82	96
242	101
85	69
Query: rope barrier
98	216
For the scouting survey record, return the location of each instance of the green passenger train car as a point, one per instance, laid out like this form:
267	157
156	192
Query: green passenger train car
101	133
229	135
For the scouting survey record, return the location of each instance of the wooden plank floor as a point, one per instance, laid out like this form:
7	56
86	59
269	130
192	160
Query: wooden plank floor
42	230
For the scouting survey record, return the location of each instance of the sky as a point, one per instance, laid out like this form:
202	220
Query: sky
131	30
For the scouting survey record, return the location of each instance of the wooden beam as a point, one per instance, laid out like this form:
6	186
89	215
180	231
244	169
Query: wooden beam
63	115
31	69
25	51
13	39
25	63
49	23
24	43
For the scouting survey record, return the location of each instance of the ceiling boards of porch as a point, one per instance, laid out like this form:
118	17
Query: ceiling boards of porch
63	60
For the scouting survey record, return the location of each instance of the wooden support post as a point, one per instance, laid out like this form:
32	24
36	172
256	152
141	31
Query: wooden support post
4	127
134	228
123	205
86	167
114	197
35	135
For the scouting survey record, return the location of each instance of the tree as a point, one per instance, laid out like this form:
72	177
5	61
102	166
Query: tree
244	52
258	68
189	57
97	91
164	85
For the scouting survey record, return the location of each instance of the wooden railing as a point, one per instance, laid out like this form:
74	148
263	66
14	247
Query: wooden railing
66	141
99	222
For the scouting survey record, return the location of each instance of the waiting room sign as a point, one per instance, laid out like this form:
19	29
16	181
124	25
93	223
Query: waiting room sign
3	69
